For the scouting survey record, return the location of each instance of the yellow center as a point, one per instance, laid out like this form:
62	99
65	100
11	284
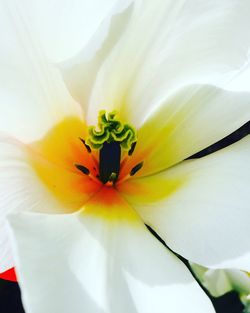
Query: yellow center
54	159
57	160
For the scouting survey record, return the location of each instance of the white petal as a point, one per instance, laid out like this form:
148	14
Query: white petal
69	24
81	71
214	281
220	281
85	263
20	189
241	81
217	282
32	94
201	207
6	255
142	59
189	121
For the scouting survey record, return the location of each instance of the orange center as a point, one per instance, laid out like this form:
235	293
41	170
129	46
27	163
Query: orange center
55	157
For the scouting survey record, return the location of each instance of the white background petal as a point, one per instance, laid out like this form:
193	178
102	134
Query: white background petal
82	263
187	43
206	217
20	189
220	281
6	254
32	94
189	121
241	81
81	71
64	26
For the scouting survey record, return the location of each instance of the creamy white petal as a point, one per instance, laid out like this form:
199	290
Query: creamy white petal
217	282
20	189
6	254
32	93
189	121
220	281
155	47
201	207
81	71
69	24
241	81
83	263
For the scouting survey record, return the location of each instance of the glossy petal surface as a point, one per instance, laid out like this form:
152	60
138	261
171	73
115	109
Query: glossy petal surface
82	262
189	121
32	92
136	61
200	207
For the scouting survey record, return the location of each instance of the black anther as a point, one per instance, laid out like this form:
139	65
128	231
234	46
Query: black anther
132	148
83	169
86	146
136	168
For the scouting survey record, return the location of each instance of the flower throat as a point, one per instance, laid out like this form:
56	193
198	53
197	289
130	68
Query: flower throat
110	137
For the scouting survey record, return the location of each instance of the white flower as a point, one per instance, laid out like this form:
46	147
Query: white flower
79	239
221	281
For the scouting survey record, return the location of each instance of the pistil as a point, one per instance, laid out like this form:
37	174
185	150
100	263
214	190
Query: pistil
110	137
109	162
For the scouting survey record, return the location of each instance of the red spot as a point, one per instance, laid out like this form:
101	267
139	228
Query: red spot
9	275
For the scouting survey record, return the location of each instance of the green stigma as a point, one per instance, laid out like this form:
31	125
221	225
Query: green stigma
110	129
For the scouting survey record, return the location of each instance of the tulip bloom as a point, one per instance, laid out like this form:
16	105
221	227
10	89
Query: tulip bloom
95	148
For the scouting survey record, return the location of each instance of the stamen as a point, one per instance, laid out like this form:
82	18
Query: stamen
86	146
136	168
83	169
110	137
132	149
89	151
86	171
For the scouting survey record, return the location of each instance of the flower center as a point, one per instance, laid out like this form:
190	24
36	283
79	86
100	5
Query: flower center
111	138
